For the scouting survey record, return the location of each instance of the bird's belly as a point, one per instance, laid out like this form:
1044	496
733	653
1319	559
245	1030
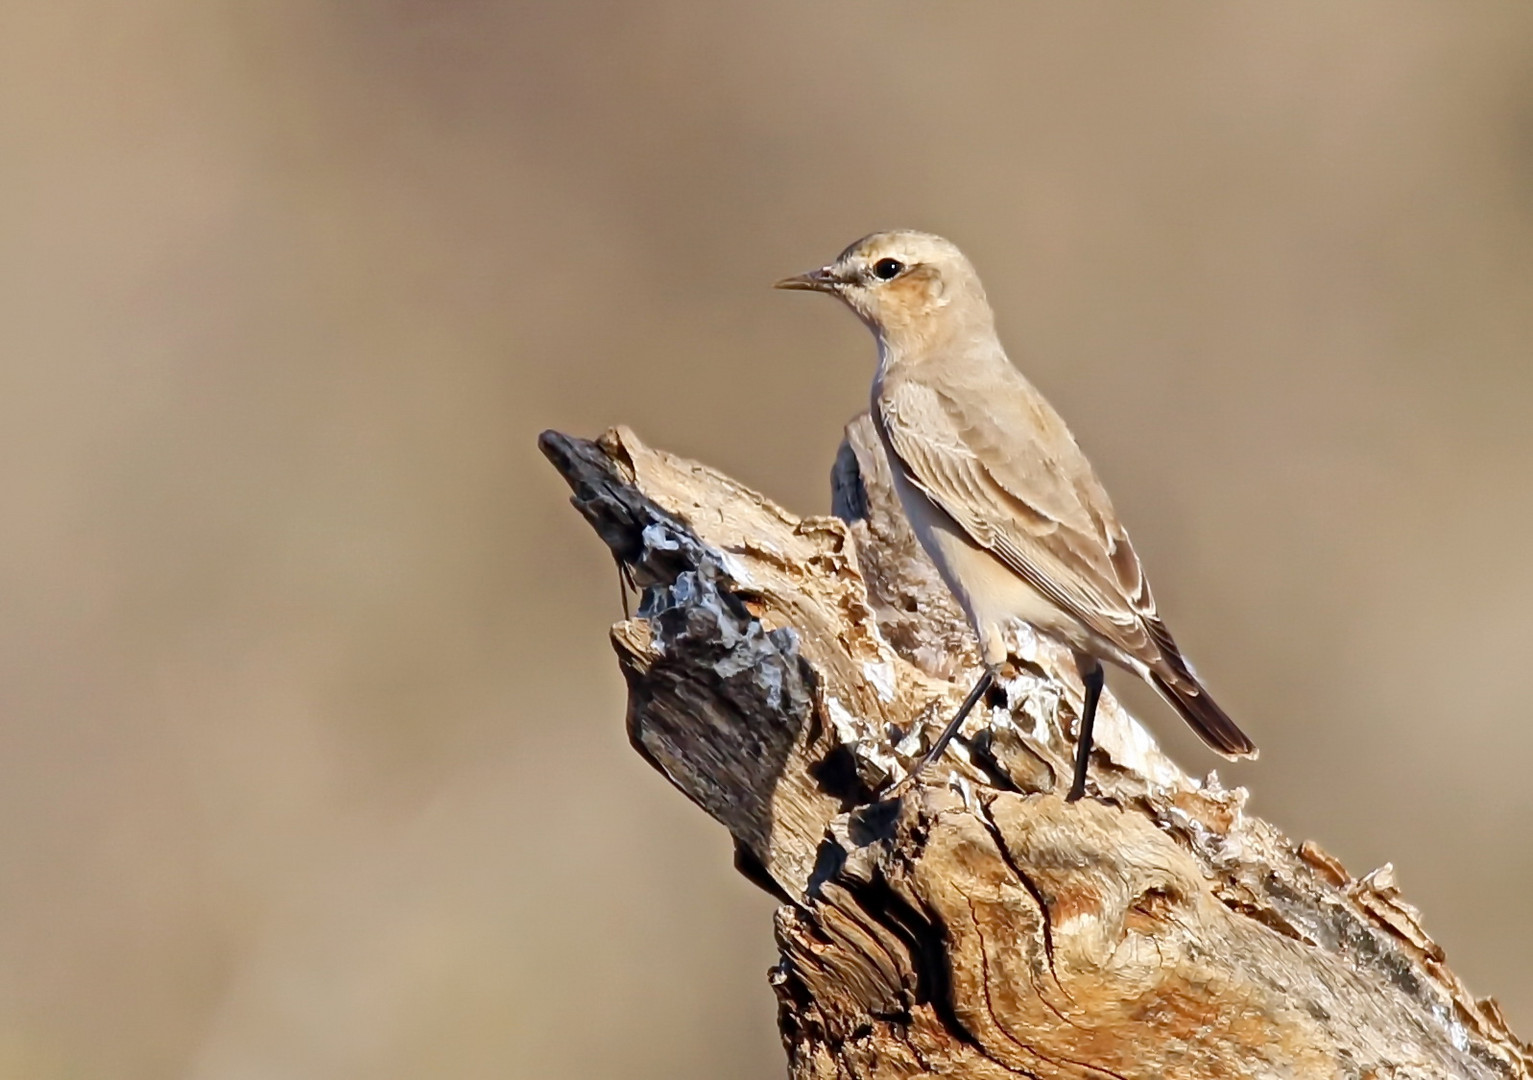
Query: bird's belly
994	597
990	594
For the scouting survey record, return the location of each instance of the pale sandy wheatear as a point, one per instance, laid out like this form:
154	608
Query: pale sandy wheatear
997	490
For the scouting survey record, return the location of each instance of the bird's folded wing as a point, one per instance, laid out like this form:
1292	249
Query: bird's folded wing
1021	489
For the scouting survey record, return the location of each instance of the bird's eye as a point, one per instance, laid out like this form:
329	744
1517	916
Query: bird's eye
887	269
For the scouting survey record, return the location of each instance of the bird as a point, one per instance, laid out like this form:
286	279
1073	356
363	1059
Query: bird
997	491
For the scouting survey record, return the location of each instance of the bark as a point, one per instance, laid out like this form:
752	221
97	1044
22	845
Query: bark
782	671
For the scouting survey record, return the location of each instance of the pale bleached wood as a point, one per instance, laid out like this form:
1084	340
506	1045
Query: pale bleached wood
783	670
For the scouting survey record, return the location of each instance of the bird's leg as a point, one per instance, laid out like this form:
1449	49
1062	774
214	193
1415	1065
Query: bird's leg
1092	678
986	681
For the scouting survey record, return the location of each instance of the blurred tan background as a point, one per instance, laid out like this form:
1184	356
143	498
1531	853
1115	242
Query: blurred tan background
311	748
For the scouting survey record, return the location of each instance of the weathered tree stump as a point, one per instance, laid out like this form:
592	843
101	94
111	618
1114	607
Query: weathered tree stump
783	670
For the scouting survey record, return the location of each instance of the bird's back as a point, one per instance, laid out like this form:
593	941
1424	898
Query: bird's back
980	419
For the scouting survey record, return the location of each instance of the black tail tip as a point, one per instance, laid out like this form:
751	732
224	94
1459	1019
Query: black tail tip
1205	717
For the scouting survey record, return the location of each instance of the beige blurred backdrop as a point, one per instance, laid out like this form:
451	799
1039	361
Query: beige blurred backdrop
311	750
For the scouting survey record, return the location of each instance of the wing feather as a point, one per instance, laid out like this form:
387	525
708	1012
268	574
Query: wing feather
1028	496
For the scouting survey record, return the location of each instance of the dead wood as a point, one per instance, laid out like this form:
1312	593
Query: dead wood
783	670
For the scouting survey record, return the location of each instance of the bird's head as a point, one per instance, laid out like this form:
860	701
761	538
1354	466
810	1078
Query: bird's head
911	288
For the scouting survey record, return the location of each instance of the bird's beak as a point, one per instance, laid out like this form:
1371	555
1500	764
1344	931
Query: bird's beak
821	280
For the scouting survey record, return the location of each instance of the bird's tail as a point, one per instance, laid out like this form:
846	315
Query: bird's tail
1211	723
